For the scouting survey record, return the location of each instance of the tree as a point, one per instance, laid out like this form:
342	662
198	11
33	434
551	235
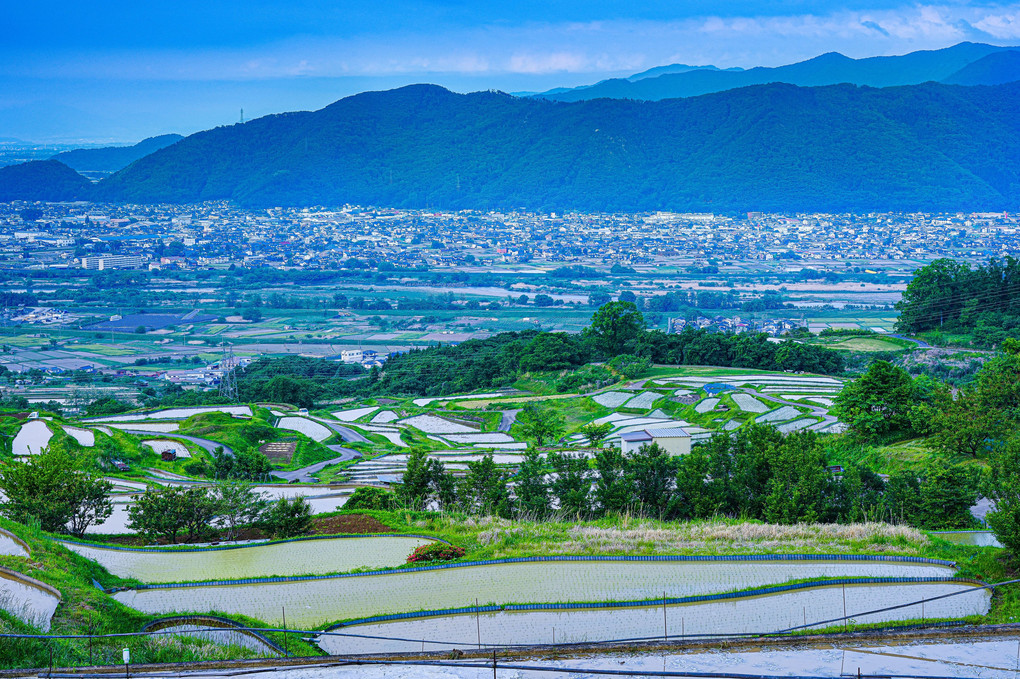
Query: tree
167	512
252	314
630	366
287	389
539	424
236	504
531	488
287	518
370	497
571	485
88	497
414	487
614	326
878	403
614	489
551	351
654	473
597	433
1004	491
425	483
484	488
51	488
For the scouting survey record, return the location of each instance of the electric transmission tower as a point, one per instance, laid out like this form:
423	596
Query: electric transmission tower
228	383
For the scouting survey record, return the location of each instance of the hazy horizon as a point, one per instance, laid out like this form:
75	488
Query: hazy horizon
121	71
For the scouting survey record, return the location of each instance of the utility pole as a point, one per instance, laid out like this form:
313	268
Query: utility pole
228	383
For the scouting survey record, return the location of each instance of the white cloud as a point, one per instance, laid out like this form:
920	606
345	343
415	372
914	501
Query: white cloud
599	48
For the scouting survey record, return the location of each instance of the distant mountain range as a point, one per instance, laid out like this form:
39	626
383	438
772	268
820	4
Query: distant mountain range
47	180
773	147
113	158
963	64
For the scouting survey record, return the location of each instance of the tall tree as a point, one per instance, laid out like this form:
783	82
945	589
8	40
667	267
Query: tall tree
878	403
654	472
53	489
236	504
614	489
531	487
571	485
539	424
484	490
615	327
1004	490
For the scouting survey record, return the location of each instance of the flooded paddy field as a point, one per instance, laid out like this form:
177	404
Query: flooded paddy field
27	599
318	601
300	557
948	655
745	615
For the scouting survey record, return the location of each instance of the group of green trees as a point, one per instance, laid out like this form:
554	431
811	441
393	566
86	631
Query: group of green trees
57	491
757	473
886	403
193	512
617	328
62	493
297	380
951	297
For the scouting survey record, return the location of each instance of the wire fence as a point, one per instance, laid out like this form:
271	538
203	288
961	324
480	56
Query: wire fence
311	634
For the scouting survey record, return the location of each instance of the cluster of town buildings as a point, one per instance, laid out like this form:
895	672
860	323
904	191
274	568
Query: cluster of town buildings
734	324
101	237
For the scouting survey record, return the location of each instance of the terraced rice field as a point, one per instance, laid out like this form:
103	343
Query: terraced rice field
33	436
612	399
303	557
802	423
971	538
312	430
314	602
493	437
385	417
223	637
422	402
174	414
706	405
643	401
779	415
430	424
164	445
354	413
27	601
11	545
749	404
84	437
767	613
152	427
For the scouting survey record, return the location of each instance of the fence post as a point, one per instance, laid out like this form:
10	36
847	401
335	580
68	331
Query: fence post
478	624
665	629
286	652
845	621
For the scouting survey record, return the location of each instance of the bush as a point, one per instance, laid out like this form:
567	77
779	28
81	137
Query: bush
287	518
367	497
435	551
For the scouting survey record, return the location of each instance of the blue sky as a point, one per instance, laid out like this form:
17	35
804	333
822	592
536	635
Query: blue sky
122	70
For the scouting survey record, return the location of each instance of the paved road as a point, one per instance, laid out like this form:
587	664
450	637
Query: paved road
509	417
347	434
921	344
206	444
304	475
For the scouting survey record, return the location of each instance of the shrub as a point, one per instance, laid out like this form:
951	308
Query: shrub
287	518
367	497
435	551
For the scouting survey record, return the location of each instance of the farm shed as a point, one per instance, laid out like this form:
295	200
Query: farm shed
673	440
